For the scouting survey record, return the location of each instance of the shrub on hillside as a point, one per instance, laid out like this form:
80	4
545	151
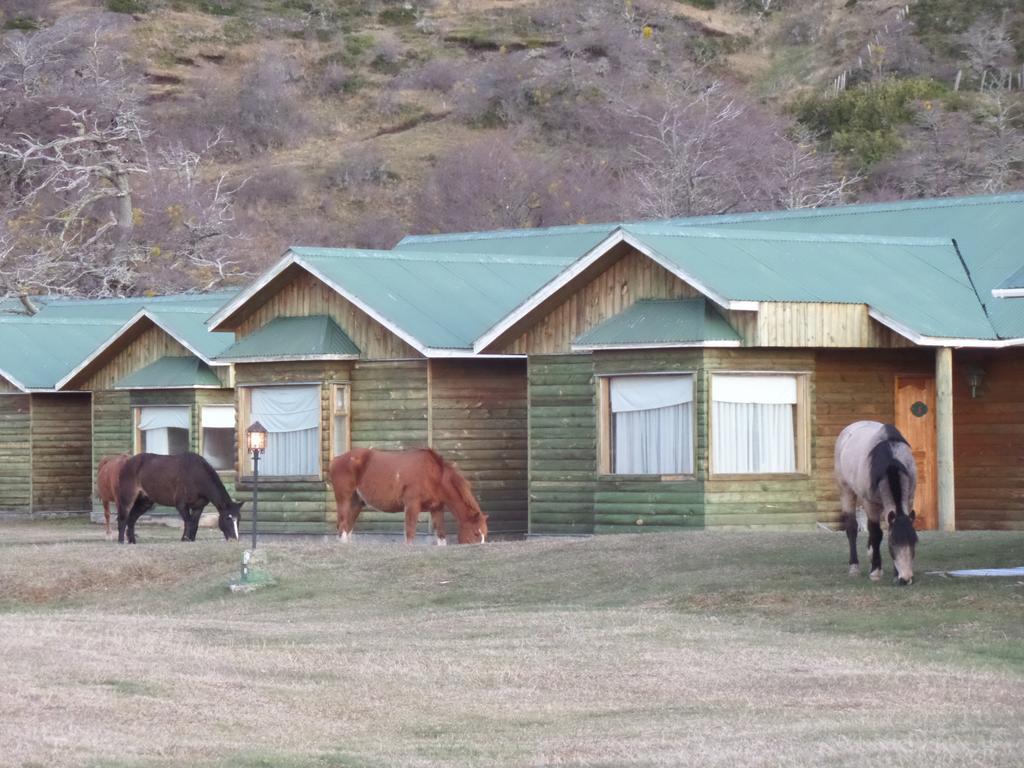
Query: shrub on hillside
861	122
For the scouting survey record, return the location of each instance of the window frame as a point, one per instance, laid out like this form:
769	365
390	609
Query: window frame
344	387
201	437
605	431
244	411
137	432
801	427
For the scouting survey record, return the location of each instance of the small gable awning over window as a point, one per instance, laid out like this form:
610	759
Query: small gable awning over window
316	337
661	323
171	373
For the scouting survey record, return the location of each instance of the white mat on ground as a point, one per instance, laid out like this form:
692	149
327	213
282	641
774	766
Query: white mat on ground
989	572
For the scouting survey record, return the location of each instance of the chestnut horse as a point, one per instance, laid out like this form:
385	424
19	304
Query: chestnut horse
409	481
107	474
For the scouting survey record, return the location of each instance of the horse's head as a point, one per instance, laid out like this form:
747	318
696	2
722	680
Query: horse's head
902	540
228	521
473	530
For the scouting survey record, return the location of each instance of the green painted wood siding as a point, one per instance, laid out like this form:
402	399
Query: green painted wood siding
636	503
61	452
563	443
389	405
15	453
478	421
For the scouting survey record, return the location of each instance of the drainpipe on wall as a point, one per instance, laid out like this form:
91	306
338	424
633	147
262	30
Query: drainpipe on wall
944	437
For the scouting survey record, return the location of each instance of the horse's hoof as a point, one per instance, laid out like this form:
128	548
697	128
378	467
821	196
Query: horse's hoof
854	570
876	575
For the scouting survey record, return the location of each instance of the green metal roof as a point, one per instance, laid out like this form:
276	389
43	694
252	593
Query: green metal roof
920	283
35	354
988	232
171	373
434	301
124	309
661	322
563	243
290	338
1013	282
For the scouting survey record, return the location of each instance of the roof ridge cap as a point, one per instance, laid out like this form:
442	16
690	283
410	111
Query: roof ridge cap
723	233
428	256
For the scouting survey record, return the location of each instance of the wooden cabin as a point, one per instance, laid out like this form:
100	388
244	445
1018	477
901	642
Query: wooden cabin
619	377
696	373
156	386
44	434
339	348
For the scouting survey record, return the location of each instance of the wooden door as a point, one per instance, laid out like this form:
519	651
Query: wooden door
915	419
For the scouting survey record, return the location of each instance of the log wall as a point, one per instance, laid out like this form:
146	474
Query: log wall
15	453
988	441
643	503
763	501
562	420
61	451
851	386
478	421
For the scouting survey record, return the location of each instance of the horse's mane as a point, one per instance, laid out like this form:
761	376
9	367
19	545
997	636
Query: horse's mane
458	486
195	460
885	465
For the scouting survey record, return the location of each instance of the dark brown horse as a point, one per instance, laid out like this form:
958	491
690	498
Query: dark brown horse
107	474
409	481
185	481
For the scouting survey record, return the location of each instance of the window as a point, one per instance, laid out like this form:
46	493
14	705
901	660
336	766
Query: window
218	435
162	429
757	424
647	425
339	419
291	416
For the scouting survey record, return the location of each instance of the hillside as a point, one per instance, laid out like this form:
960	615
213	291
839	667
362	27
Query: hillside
167	144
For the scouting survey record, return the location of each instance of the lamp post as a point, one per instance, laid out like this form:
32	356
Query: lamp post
256	441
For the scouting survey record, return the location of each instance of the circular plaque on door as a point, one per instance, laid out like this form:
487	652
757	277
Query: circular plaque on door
919	409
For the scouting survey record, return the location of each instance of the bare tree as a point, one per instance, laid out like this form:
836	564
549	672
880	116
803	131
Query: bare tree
988	47
679	143
999	150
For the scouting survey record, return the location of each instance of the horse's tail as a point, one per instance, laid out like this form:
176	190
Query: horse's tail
458	488
107	463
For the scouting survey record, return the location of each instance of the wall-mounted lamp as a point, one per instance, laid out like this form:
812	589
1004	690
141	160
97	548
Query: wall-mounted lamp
974	379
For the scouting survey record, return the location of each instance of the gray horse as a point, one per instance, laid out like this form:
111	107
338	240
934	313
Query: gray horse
874	465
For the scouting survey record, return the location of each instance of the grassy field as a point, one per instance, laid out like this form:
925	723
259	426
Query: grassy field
707	649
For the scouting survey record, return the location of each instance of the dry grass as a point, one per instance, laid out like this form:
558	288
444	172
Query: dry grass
674	649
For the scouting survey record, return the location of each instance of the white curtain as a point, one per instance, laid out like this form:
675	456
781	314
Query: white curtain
753	426
653	425
291	416
163	418
218	417
156	425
